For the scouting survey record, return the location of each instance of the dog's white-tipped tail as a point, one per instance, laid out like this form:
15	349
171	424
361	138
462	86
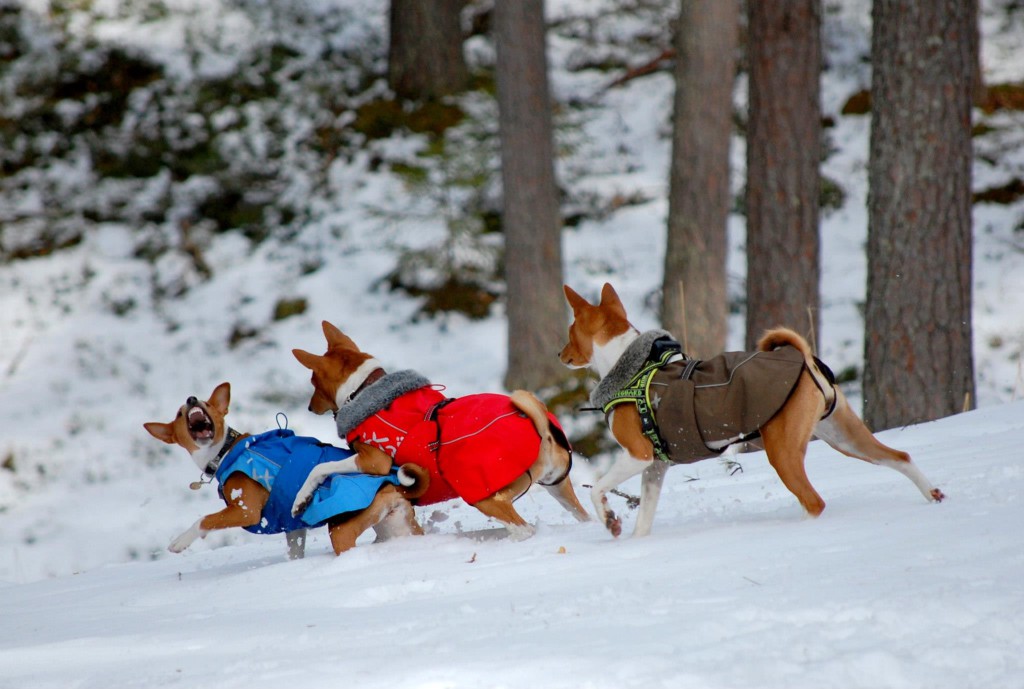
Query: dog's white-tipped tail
405	477
413	480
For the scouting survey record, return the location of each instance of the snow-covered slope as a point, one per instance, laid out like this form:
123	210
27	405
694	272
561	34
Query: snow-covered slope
734	588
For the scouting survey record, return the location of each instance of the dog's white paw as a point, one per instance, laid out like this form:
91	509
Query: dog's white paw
185	540
520	532
305	494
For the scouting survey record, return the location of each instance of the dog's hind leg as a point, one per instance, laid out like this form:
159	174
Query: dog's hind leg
398	520
566	497
387	506
786	436
845	432
499	506
650	491
296	544
551	470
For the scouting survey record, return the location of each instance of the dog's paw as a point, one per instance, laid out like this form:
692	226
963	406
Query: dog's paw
301	503
520	532
613	523
305	495
185	540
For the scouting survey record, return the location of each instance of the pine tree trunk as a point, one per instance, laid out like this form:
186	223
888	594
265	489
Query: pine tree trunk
531	217
694	304
425	59
918	347
783	159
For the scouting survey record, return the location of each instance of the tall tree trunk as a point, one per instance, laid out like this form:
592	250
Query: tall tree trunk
783	159
918	347
425	59
694	304
531	217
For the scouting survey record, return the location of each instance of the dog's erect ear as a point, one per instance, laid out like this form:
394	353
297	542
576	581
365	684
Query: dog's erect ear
336	338
161	431
575	300
610	299
220	398
310	361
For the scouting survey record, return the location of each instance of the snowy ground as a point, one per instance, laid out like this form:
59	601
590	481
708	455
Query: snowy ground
735	588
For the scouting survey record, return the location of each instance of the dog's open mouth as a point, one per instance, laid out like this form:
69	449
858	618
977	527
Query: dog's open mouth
200	425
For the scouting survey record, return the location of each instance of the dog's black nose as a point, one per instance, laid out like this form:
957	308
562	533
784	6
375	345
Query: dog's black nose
191	401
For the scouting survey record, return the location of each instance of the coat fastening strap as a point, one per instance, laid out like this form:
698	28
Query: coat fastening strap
637	391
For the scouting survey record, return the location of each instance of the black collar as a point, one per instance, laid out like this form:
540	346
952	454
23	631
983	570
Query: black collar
229	442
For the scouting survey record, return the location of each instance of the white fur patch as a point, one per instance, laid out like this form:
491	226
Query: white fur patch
202	456
609	353
352	383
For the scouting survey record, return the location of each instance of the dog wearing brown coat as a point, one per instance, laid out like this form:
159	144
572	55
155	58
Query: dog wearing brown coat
601	337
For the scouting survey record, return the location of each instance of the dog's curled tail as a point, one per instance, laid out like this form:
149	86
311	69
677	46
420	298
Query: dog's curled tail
413	480
534	409
781	337
537	412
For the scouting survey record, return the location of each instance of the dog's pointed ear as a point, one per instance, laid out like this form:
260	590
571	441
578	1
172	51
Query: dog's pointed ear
221	398
610	299
310	361
575	300
160	431
337	338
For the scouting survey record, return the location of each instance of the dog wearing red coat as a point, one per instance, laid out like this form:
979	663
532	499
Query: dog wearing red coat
486	449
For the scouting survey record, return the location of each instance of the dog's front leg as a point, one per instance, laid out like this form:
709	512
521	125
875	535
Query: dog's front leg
185	539
246	499
316	477
624	468
650	491
625	425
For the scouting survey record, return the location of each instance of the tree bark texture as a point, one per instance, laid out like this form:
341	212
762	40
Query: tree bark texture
425	59
694	306
531	218
783	159
918	347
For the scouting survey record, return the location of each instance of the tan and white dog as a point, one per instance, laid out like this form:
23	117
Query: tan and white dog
600	337
486	449
252	488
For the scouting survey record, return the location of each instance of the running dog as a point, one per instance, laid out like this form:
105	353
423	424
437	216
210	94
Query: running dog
258	476
664	408
487	449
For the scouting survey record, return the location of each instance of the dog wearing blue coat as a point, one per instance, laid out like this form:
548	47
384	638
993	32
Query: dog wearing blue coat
259	475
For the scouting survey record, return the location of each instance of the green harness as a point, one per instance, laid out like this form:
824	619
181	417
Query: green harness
638	392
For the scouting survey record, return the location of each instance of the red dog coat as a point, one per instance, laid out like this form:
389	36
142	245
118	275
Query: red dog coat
473	446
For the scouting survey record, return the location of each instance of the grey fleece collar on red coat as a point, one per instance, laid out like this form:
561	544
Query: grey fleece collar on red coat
375	397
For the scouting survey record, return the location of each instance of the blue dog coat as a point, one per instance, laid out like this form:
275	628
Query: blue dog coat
280	461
